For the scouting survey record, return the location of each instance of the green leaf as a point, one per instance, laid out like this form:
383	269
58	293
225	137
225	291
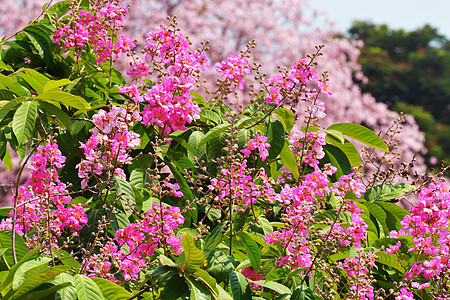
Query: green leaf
390	260
193	257
10	106
239	287
205	279
274	286
40	294
397	211
252	249
60	114
348	148
53	84
37	279
387	191
12	84
7	159
111	290
65	98
340	158
137	178
213	239
303	293
194	140
184	187
219	265
223	295
198	290
174	288
6	242
361	134
21	273
40	40
126	194
86	288
286	117
215	131
23	122
289	161
66	258
276	136
35	79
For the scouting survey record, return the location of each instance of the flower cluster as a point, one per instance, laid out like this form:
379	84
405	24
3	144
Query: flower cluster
300	202
307	147
357	269
133	247
428	226
168	103
97	29
234	68
257	142
240	186
280	86
43	198
356	230
251	274
107	149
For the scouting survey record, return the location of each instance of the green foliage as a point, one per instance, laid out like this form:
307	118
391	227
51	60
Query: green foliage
409	71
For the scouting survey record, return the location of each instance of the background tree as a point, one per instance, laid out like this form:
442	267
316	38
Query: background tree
409	71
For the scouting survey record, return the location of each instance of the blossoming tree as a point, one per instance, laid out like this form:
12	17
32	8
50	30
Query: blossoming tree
161	187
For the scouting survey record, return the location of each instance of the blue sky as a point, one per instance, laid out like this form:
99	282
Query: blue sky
406	14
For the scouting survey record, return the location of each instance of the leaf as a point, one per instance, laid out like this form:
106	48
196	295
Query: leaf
302	293
361	134
12	84
174	288
65	98
215	131
289	161
274	131
252	249
39	39
6	242
37	279
40	294
86	288
193	257
20	275
66	258
387	191
10	106
223	295
53	84
7	159
239	287
60	114
340	157
194	140
126	194
137	178
205	279
23	122
219	265
348	148
35	79
184	187
111	290
213	239
274	286
390	260
397	211
198	291
286	117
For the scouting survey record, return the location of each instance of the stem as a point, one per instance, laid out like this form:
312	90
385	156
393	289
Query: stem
321	248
